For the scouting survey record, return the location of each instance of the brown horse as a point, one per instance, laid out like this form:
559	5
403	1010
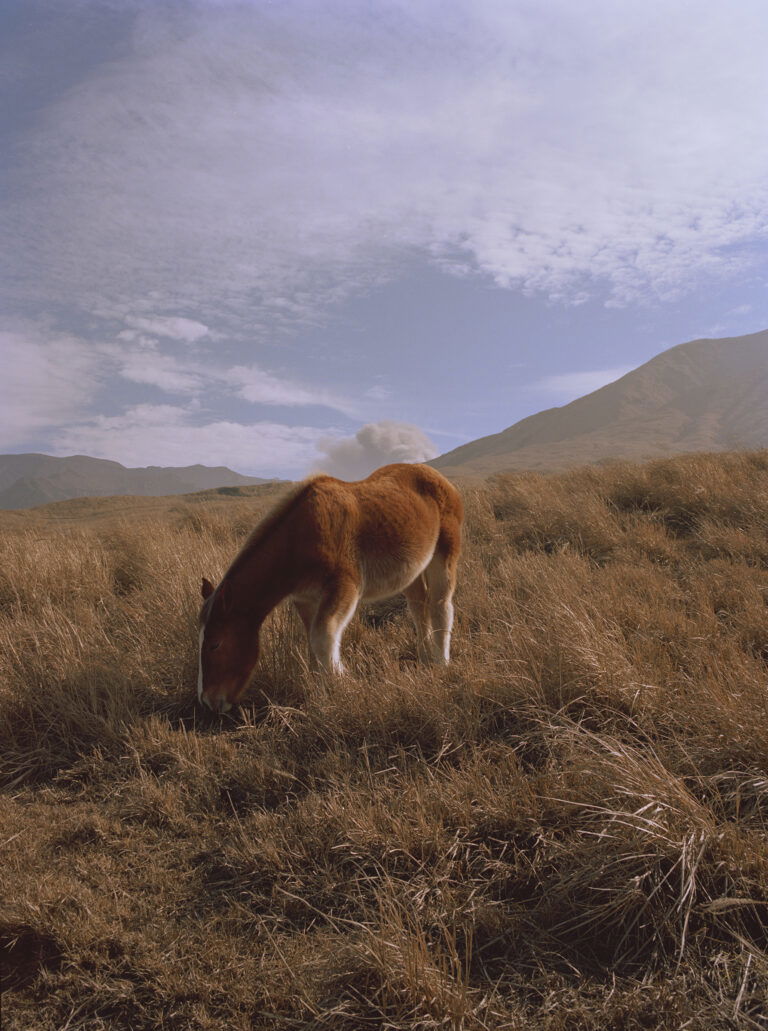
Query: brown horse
327	546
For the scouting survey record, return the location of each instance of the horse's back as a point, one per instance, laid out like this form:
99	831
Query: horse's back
421	479
402	496
386	527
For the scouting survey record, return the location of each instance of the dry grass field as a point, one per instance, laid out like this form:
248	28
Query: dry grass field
567	828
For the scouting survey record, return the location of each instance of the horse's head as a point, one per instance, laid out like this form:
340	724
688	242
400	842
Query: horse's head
229	649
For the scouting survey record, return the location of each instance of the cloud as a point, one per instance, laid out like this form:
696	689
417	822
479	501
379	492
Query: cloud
576	384
51	379
270	159
173	435
139	359
175	327
375	444
143	363
260	387
47	378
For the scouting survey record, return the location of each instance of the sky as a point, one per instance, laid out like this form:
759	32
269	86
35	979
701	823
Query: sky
326	234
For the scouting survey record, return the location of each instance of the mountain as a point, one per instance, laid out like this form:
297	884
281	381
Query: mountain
704	395
31	479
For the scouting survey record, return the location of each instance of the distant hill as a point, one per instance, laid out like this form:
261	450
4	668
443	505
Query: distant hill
705	395
31	479
247	503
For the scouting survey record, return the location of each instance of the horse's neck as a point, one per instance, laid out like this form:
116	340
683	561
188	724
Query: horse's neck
260	580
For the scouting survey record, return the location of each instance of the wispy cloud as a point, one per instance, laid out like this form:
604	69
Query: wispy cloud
568	385
378	393
47	379
141	360
176	435
175	327
271	159
260	387
51	378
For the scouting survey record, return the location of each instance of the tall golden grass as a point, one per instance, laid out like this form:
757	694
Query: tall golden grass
567	828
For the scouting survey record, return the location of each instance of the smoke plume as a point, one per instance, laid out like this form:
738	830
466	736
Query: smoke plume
375	444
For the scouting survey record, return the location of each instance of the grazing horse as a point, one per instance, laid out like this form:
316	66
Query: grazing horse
328	546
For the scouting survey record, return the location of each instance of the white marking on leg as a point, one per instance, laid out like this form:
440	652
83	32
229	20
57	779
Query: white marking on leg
342	622
336	664
441	586
447	632
326	638
441	635
326	647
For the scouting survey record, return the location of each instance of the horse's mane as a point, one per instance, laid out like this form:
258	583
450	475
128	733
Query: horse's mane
265	527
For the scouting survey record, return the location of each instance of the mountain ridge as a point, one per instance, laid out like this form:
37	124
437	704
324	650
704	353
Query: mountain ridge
703	395
32	478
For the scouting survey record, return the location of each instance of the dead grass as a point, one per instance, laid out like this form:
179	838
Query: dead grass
568	828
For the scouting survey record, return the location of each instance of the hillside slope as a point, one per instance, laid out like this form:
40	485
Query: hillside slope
705	395
33	479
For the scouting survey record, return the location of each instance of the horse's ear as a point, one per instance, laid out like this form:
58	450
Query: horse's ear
224	597
206	588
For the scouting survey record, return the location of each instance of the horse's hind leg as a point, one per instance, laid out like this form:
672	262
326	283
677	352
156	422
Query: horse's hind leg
418	605
441	583
334	612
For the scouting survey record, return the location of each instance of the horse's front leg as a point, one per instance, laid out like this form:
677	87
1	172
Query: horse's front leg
336	608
